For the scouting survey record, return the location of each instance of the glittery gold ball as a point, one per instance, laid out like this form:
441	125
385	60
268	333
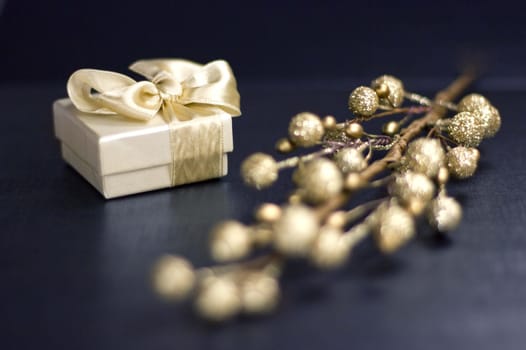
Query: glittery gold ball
337	219
259	170
319	180
268	212
462	161
382	90
393	227
472	102
329	122
259	293
218	299
491	121
230	240
443	175
173	277
415	207
444	214
296	230
424	156
487	114
330	249
410	186
363	101
305	129
391	128
350	160
466	129
353	182
284	145
354	130
396	90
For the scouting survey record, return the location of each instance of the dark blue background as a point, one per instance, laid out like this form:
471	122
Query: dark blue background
74	267
263	39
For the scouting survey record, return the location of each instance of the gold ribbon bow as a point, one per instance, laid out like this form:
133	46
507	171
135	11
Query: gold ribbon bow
178	88
181	90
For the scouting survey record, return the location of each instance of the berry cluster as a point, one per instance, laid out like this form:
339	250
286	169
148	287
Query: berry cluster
314	222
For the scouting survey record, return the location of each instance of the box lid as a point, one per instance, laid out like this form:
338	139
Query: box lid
114	144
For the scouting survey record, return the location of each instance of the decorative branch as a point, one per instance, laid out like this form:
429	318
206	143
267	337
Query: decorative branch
311	225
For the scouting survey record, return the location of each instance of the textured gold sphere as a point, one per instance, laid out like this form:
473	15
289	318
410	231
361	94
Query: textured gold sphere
173	277
444	214
490	119
488	115
472	102
349	159
415	206
230	240
284	145
353	182
466	129
391	128
382	90
218	299
329	122
259	293
268	212
363	101
337	219
393	227
395	97
319	180
330	249
410	186
305	129
259	170
354	130
296	230
462	161
424	155
443	175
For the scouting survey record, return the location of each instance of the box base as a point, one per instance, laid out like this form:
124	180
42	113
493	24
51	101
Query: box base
122	184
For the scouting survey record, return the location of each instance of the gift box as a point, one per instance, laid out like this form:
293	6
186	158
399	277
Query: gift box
126	137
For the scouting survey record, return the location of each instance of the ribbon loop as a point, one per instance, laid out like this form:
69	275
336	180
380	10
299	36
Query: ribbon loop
172	84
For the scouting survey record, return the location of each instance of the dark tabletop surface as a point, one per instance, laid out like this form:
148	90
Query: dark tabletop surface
75	267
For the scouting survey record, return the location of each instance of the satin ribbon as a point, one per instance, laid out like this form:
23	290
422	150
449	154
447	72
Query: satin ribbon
181	90
178	88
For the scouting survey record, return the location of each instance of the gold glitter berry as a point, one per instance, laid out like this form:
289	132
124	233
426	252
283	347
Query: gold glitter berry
466	129
363	101
396	90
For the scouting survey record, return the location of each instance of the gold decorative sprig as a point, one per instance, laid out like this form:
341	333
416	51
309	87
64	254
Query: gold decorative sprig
313	223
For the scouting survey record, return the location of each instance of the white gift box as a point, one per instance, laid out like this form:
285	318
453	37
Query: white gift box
120	156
